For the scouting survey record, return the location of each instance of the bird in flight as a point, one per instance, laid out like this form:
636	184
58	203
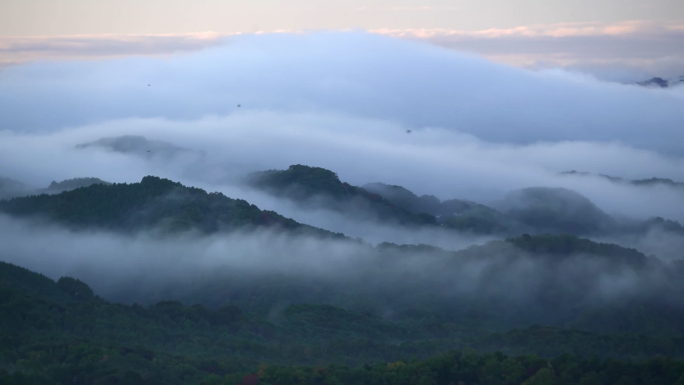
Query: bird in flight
408	131
238	105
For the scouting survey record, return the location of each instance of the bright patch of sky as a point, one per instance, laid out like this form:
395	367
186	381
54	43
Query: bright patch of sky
66	17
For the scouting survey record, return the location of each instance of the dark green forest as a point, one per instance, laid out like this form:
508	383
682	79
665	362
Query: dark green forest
540	305
154	203
61	332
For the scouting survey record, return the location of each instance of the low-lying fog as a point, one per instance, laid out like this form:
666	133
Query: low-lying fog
147	267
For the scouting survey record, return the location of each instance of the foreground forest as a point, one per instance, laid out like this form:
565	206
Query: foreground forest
59	332
541	301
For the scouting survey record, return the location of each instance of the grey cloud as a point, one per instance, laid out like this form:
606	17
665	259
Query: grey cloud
138	145
627	52
344	101
428	161
351	74
15	50
601	47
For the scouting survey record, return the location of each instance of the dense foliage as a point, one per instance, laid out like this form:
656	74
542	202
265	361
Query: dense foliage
154	203
71	184
47	337
461	215
316	187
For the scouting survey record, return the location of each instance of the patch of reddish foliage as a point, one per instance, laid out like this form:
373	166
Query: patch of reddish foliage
250	379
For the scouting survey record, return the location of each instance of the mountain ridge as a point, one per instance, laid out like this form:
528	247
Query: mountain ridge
152	203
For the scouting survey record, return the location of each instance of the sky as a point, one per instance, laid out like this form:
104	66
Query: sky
621	41
69	17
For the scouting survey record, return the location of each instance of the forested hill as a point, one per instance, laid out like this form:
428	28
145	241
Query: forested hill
317	187
70	184
536	210
456	214
11	188
62	333
154	203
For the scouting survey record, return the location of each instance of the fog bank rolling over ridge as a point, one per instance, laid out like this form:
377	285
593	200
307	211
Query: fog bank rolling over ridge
345	102
353	73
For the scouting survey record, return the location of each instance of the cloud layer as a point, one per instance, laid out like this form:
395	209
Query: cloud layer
344	101
627	51
16	50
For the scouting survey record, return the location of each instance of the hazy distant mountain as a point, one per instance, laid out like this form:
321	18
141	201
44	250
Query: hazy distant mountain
556	210
315	187
137	145
532	210
146	205
636	182
453	213
662	83
10	188
154	203
536	210
405	198
70	184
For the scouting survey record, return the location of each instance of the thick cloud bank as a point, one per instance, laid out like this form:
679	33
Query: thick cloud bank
350	73
627	51
368	107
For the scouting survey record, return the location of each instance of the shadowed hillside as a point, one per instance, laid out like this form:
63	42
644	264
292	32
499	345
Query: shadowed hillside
315	187
154	203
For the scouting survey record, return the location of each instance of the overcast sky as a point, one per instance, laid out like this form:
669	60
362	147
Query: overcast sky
621	41
66	17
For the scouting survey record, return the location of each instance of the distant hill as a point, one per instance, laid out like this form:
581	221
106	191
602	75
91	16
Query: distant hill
403	197
556	210
662	83
546	248
430	204
10	188
70	184
536	210
316	187
136	145
154	203
636	182
457	214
